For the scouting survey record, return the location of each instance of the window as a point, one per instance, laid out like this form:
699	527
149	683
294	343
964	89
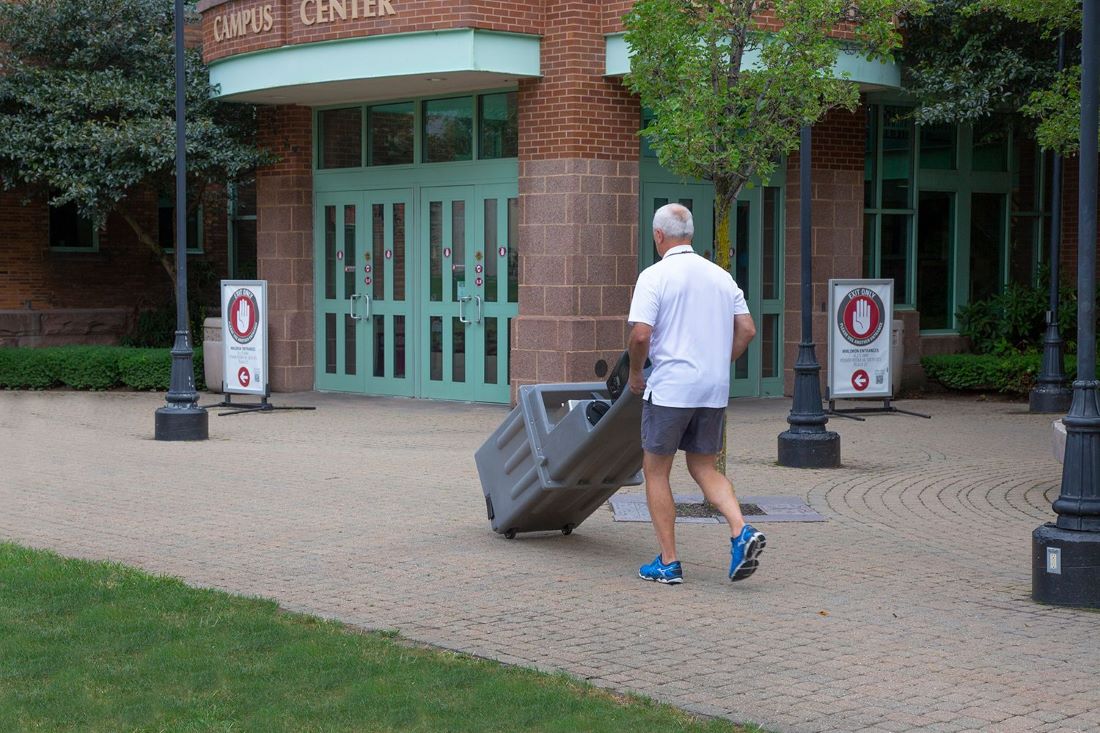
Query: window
392	132
425	131
341	138
166	225
242	230
71	232
499	126
448	130
888	184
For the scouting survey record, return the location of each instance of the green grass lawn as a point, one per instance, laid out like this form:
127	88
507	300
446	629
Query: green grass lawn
102	647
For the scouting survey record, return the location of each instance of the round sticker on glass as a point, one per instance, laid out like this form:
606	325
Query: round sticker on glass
389	254
446	251
502	251
477	269
478	282
340	254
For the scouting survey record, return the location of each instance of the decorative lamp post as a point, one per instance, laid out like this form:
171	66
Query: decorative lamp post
1065	562
181	418
1051	393
806	443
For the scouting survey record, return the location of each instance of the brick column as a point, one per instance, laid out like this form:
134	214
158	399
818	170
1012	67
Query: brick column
838	151
578	185
284	244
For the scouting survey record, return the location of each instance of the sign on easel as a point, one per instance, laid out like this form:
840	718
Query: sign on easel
860	316
244	336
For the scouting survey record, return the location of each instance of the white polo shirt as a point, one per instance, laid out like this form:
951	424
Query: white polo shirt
690	302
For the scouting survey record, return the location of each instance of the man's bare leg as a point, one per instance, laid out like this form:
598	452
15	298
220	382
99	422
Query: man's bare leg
717	489
662	508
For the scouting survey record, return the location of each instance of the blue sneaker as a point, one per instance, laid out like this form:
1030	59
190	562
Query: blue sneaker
745	552
670	574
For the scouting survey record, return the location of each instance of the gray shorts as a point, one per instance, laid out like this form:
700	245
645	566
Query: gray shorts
690	429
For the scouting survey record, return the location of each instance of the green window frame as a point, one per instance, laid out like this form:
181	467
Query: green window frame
418	105
896	220
166	226
981	173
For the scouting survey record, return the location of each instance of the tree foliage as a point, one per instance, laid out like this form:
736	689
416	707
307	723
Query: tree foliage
87	108
969	60
728	97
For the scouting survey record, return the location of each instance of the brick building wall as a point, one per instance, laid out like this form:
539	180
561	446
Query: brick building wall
52	297
284	244
579	196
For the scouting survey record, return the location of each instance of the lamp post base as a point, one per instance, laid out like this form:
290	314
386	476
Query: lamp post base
1065	567
1047	399
809	450
182	423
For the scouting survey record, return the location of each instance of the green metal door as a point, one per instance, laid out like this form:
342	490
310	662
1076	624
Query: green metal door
387	298
756	259
337	250
470	288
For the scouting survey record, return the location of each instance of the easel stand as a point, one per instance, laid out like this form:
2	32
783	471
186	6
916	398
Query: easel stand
239	407
852	413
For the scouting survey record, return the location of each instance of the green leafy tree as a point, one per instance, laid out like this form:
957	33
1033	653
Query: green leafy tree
970	60
87	109
728	97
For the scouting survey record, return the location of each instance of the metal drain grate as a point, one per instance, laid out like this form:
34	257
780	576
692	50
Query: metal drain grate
691	510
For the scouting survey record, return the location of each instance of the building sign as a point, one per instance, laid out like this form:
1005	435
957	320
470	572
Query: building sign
244	336
261	19
860	313
330	11
237	23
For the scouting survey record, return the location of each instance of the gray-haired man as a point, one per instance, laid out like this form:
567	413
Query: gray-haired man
690	319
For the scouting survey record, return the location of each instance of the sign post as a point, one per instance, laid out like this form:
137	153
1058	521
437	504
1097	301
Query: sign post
860	316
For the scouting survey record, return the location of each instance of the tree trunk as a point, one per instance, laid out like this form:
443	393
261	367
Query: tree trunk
145	238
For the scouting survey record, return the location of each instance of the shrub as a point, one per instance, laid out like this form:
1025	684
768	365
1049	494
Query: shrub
91	367
86	367
27	369
1011	373
1014	321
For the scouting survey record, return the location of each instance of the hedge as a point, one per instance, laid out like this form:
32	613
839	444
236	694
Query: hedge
90	367
1014	374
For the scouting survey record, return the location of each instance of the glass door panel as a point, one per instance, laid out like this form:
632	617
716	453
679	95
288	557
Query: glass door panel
384	276
935	252
337	243
445	313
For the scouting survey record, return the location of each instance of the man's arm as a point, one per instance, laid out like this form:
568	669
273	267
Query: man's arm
638	347
743	331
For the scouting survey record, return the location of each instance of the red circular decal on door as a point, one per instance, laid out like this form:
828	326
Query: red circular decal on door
243	376
244	315
860	380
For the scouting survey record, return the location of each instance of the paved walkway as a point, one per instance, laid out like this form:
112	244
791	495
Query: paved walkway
907	610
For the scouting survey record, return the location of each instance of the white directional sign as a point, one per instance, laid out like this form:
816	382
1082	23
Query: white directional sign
860	313
244	336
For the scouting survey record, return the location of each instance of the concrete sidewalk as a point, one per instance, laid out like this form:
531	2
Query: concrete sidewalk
908	610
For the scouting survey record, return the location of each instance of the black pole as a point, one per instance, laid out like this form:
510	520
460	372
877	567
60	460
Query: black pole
1066	555
1051	392
181	418
806	443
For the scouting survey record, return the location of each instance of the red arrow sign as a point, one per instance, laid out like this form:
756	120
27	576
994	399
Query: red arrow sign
860	380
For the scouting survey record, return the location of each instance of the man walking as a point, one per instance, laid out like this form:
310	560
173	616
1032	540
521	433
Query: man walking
690	319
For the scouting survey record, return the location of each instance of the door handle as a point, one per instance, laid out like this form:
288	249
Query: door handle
462	309
370	304
477	302
351	307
